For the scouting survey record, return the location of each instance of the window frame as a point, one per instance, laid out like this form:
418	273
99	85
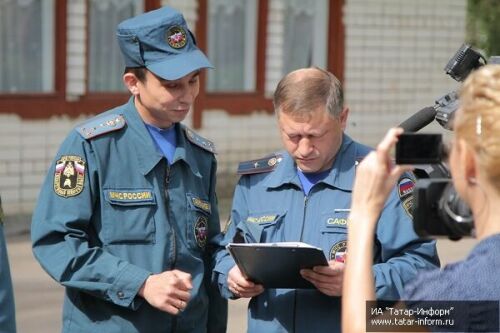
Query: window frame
22	103
241	103
249	58
45	105
100	101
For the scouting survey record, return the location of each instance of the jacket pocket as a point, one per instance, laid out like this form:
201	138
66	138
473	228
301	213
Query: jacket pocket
129	216
334	235
263	227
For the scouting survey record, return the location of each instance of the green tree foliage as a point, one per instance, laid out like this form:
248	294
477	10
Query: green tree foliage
483	25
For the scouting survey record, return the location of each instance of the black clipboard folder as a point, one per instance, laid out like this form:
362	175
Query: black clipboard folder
277	265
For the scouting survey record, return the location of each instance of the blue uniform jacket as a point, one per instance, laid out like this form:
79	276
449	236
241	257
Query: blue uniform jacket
111	212
7	309
271	207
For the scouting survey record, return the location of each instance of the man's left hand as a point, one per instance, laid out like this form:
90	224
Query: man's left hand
327	279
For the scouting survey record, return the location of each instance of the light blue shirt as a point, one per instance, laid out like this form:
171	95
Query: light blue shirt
308	180
165	140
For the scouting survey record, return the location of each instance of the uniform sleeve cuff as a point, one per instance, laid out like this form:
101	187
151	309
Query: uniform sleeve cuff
221	271
124	290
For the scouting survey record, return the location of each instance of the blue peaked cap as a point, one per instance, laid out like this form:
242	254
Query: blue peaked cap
160	41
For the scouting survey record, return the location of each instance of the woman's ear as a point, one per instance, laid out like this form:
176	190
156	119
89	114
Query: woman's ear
131	82
468	159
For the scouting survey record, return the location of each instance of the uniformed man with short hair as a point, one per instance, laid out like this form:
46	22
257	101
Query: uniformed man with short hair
127	218
7	308
304	194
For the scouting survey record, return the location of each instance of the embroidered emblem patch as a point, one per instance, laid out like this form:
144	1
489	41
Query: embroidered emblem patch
405	191
69	176
405	187
201	204
201	231
130	196
262	219
336	221
176	37
338	252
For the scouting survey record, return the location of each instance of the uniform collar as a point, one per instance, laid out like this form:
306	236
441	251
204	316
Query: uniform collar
184	150
341	176
344	168
147	154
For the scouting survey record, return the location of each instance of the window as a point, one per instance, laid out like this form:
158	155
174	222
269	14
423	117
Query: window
27	52
106	63
305	34
232	31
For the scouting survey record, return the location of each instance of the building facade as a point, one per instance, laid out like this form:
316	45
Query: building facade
60	63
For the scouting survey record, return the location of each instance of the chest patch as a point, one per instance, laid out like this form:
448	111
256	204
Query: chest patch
201	231
130	197
262	219
69	176
338	252
201	204
336	221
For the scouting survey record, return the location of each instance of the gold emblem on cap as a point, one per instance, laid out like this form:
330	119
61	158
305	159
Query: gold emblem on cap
176	37
272	161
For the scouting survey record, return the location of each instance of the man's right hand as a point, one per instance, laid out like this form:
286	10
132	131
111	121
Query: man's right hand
240	286
168	291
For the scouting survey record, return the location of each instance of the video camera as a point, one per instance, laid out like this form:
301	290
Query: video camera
437	208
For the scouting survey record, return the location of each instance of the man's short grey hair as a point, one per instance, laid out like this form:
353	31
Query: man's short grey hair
300	92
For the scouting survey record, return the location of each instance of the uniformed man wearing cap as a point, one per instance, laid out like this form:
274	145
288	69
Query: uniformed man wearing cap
304	194
127	217
7	309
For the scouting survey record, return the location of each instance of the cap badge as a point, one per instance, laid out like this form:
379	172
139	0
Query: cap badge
176	37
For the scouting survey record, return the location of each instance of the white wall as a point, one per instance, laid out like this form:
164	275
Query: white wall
27	149
395	54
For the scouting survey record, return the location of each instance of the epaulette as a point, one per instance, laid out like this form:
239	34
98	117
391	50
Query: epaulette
265	164
200	141
101	125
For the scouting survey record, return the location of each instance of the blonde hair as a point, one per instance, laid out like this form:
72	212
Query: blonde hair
478	119
302	90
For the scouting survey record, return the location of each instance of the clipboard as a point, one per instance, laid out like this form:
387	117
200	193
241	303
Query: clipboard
277	265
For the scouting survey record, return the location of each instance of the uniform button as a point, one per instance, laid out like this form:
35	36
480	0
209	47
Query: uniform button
120	294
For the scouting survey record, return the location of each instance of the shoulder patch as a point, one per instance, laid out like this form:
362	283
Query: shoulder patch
265	164
200	141
69	176
101	125
405	187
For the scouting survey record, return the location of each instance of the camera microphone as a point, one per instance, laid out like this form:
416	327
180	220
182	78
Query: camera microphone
419	120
